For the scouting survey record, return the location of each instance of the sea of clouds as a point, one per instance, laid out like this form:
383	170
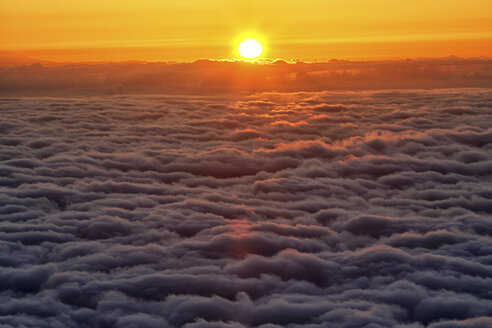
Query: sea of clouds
324	209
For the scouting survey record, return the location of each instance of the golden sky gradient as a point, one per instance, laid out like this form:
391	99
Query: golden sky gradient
186	30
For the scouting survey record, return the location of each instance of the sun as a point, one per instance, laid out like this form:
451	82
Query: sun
250	48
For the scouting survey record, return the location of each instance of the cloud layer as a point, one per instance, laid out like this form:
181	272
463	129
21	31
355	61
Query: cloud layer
326	209
206	76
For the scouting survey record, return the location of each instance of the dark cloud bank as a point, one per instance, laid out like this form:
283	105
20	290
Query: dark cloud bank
206	76
309	209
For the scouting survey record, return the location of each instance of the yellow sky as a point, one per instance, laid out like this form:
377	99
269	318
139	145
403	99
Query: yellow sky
185	30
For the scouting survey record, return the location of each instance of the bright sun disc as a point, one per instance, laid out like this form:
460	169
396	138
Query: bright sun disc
250	48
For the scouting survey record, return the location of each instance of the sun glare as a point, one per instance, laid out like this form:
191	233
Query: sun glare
250	49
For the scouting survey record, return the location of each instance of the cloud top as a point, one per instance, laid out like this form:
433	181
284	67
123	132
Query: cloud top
304	209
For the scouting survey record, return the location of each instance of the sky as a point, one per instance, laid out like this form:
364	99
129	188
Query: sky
188	30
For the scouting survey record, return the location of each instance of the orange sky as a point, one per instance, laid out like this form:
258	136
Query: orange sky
186	30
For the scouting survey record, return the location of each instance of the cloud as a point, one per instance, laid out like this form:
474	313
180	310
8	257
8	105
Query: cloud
294	209
212	77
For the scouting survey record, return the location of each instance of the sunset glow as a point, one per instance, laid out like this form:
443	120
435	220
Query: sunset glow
185	31
245	164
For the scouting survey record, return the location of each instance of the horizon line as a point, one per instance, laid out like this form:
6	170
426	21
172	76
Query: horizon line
265	61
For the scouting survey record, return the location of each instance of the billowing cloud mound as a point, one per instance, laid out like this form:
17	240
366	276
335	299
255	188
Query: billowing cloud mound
367	209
